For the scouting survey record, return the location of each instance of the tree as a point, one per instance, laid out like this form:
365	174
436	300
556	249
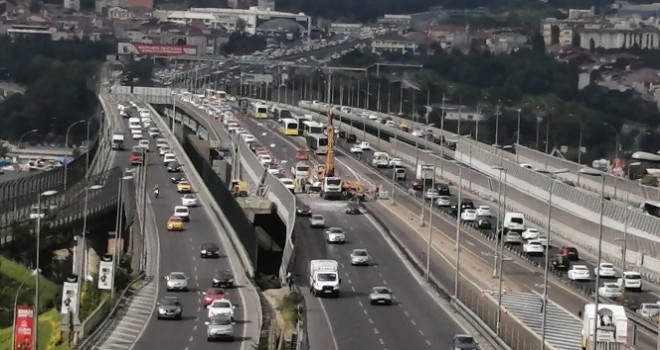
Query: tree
139	69
240	25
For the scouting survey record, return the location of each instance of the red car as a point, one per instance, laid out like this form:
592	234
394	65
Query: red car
213	294
571	253
136	158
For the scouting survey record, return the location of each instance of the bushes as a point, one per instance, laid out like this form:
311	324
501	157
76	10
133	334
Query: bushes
265	282
289	309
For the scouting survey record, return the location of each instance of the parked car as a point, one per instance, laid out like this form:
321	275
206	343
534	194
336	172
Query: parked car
579	273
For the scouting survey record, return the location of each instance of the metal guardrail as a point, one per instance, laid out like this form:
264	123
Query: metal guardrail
107	321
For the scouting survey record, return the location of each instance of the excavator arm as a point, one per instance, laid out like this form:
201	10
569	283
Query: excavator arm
330	156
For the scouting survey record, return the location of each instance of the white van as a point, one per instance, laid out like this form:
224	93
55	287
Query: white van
381	160
514	221
134	123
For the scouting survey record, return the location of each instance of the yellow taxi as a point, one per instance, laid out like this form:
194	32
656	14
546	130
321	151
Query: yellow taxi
174	223
183	187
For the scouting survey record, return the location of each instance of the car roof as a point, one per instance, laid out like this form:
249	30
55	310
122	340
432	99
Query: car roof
381	287
175	218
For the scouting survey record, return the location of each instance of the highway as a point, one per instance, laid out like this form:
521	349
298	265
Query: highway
369	327
519	275
180	253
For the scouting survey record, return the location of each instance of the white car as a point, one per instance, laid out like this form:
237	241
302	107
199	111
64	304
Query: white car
631	280
609	290
366	146
177	281
265	159
579	273
533	247
543	239
531	233
396	162
469	215
168	158
247	138
161	142
154	132
359	257
288	183
182	212
335	235
484	210
137	136
443	201
189	200
355	149
144	144
164	149
605	270
221	307
432	194
317	220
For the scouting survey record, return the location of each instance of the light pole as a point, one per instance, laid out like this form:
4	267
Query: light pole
499	254
89	124
579	155
36	284
518	136
428	249
497	218
458	231
18	292
593	172
497	125
66	153
20	139
625	226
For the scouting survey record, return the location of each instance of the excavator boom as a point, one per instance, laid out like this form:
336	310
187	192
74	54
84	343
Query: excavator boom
330	156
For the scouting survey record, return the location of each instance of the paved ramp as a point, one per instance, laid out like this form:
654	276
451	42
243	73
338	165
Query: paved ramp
563	330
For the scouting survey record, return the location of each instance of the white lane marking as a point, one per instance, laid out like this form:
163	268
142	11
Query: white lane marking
375	330
413	322
327	319
428	342
469	242
191	338
194	328
420	332
371	321
199	309
360	302
406	313
353	288
349	281
381	341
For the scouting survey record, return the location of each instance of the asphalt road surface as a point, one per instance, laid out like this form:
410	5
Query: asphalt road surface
180	253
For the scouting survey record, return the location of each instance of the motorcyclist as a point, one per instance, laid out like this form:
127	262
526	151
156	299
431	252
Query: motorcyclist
156	191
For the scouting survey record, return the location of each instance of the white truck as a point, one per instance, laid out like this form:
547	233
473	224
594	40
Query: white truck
331	188
300	170
381	160
425	171
118	139
324	277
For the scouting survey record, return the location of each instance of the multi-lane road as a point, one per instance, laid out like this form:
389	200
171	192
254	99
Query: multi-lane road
180	252
350	321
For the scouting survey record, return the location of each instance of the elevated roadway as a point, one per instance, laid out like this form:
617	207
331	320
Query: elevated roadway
369	327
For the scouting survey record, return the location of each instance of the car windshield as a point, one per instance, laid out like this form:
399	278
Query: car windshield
317	217
381	290
360	253
334	182
223	274
221	304
175	219
169	302
580	268
607	266
220	321
177	276
327	277
464	340
633	277
189	196
335	230
209	246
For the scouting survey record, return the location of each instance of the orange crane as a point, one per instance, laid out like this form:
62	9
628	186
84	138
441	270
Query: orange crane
328	169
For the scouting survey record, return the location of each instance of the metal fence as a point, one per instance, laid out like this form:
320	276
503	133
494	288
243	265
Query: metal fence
615	187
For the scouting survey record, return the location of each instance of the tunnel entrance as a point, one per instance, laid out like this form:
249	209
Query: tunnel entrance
271	236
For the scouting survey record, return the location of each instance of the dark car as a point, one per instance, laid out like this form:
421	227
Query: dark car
463	342
465	204
173	167
560	263
177	179
223	278
209	250
570	252
483	223
303	210
169	307
352	208
629	300
443	189
254	146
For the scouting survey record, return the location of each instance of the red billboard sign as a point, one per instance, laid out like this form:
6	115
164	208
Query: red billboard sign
156	49
23	328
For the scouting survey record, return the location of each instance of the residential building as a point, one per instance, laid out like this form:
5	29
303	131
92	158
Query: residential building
346	28
119	13
405	20
448	35
620	38
393	42
643	11
580	13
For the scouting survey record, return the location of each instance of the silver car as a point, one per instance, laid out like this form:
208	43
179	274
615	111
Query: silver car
169	307
317	220
359	257
177	281
443	201
335	235
219	328
380	295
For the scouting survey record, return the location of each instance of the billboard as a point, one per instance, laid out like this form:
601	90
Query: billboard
70	295
24	328
106	273
156	49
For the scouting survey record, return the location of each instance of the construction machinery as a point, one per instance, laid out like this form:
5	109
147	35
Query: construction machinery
324	178
239	188
353	188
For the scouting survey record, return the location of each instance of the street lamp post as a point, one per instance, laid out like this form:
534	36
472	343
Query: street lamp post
83	271
500	253
36	284
593	172
118	232
625	226
66	153
428	249
518	136
20	139
458	231
18	292
579	155
497	125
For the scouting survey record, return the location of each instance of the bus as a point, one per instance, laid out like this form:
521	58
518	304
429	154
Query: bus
318	143
281	113
289	127
611	323
301	119
259	110
312	127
